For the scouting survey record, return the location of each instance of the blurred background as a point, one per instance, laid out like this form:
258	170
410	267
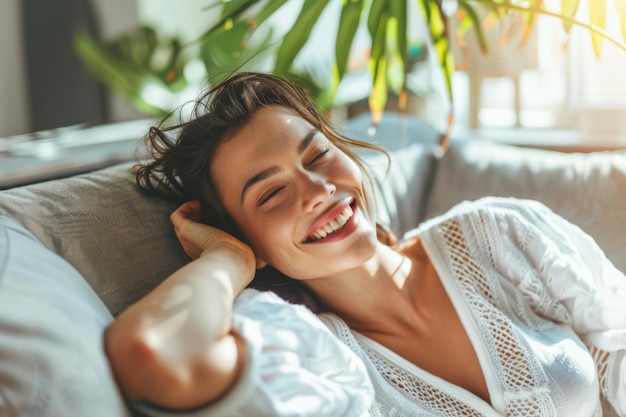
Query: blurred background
64	68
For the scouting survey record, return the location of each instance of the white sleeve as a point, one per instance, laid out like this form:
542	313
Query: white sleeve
586	291
294	367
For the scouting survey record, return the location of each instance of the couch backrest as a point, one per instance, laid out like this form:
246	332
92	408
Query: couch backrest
588	189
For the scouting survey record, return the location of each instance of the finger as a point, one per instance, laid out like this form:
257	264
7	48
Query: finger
187	211
191	207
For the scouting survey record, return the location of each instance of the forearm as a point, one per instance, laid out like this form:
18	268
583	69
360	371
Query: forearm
175	346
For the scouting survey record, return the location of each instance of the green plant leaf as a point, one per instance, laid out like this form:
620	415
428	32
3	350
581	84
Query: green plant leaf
318	94
268	10
476	23
437	29
597	17
378	98
225	48
231	10
569	8
219	50
348	23
299	33
170	72
377	8
530	17
226	51
377	24
434	18
446	61
397	49
144	50
120	75
425	7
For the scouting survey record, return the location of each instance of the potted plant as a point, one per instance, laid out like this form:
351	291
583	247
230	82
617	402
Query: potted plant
125	64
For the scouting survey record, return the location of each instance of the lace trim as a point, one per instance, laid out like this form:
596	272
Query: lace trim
525	386
602	358
418	391
398	392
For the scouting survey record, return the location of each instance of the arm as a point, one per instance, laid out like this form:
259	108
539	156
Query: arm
175	347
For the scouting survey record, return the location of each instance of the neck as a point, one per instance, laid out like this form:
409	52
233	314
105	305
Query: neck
365	295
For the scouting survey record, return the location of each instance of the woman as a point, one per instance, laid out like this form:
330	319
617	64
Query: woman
498	307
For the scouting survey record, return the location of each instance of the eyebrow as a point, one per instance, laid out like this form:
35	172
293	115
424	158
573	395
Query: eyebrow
266	173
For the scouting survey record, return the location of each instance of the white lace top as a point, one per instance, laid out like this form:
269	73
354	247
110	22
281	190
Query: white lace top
543	307
295	367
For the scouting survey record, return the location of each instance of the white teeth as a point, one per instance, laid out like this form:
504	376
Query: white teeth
320	235
334	224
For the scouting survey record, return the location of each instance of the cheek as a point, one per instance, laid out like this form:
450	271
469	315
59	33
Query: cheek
352	170
346	170
269	234
352	167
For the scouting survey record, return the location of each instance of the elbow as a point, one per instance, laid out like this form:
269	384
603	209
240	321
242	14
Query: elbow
170	378
140	371
131	359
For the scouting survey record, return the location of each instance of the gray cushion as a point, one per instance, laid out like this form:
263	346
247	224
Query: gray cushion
587	189
118	238
52	359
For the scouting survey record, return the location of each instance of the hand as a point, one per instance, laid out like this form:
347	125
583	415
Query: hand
198	238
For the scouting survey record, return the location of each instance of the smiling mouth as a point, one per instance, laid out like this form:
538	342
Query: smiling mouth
332	226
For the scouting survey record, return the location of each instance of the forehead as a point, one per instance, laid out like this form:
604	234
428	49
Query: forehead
270	127
272	131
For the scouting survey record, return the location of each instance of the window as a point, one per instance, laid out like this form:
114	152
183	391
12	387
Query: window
556	78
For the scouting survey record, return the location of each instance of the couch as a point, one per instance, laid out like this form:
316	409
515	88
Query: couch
75	252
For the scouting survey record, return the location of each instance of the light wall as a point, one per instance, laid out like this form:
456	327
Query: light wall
13	94
115	16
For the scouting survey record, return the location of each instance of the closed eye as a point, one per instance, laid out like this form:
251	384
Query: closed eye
320	155
268	196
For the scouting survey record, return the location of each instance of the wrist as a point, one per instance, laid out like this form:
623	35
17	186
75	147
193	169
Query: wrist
237	259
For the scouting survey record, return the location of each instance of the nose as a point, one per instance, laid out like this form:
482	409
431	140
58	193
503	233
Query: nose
316	190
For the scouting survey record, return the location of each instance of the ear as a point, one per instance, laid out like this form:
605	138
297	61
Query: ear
260	263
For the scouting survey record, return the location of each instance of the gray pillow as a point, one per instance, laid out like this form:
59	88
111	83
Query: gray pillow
52	360
118	238
587	189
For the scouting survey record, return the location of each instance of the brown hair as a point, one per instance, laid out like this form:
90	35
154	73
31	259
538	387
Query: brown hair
182	153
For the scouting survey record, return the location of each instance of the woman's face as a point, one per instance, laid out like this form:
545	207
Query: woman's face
300	201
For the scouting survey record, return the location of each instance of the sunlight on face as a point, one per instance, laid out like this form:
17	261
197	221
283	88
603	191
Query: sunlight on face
300	200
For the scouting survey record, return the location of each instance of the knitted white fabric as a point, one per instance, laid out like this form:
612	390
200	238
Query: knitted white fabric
529	288
295	367
401	388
